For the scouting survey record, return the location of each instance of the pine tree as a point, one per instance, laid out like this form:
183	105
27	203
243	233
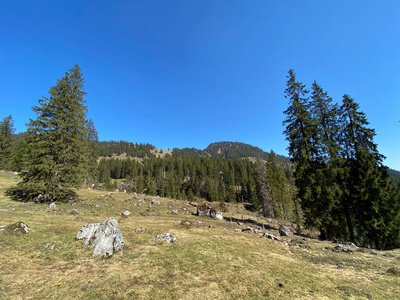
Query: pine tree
264	190
6	134
57	140
93	153
369	196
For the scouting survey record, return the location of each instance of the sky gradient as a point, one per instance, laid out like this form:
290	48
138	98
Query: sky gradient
189	73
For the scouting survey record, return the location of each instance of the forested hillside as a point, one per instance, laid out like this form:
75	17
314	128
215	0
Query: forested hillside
122	147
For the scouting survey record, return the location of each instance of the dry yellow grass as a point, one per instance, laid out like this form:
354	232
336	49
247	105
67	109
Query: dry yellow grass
210	260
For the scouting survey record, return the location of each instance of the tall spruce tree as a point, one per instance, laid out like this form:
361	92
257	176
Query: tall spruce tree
57	140
368	195
300	131
93	153
6	136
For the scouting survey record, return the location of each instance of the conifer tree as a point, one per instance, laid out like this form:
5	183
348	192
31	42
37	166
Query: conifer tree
93	153
369	196
6	134
57	140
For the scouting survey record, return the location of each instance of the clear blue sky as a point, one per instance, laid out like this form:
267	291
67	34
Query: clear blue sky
189	73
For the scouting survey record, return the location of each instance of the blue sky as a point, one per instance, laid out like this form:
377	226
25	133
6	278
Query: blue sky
189	73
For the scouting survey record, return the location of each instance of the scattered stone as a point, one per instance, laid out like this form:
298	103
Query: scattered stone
105	237
342	248
74	211
166	237
43	198
140	229
126	213
174	212
155	201
271	236
285	231
17	228
52	205
97	206
240	223
49	246
248	229
238	230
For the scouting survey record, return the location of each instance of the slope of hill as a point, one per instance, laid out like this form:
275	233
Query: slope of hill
234	150
210	260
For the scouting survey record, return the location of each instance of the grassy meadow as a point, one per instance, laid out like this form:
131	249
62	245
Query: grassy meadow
210	260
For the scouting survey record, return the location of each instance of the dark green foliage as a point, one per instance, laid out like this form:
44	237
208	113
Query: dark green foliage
274	189
93	152
205	177
57	145
122	147
227	150
344	189
6	142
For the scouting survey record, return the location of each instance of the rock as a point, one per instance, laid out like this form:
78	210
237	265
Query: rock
271	236
43	198
285	231
17	228
126	213
155	201
206	210
166	237
74	211
248	229
342	248
106	237
49	246
174	211
140	230
52	205
218	216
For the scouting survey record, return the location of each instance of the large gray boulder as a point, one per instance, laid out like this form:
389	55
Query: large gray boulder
285	231
105	237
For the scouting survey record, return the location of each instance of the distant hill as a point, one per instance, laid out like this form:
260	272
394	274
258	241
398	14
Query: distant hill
234	150
227	150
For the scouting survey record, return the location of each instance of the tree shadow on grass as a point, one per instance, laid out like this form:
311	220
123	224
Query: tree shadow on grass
16	194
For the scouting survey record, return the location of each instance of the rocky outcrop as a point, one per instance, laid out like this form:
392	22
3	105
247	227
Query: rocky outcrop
206	210
285	231
105	237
